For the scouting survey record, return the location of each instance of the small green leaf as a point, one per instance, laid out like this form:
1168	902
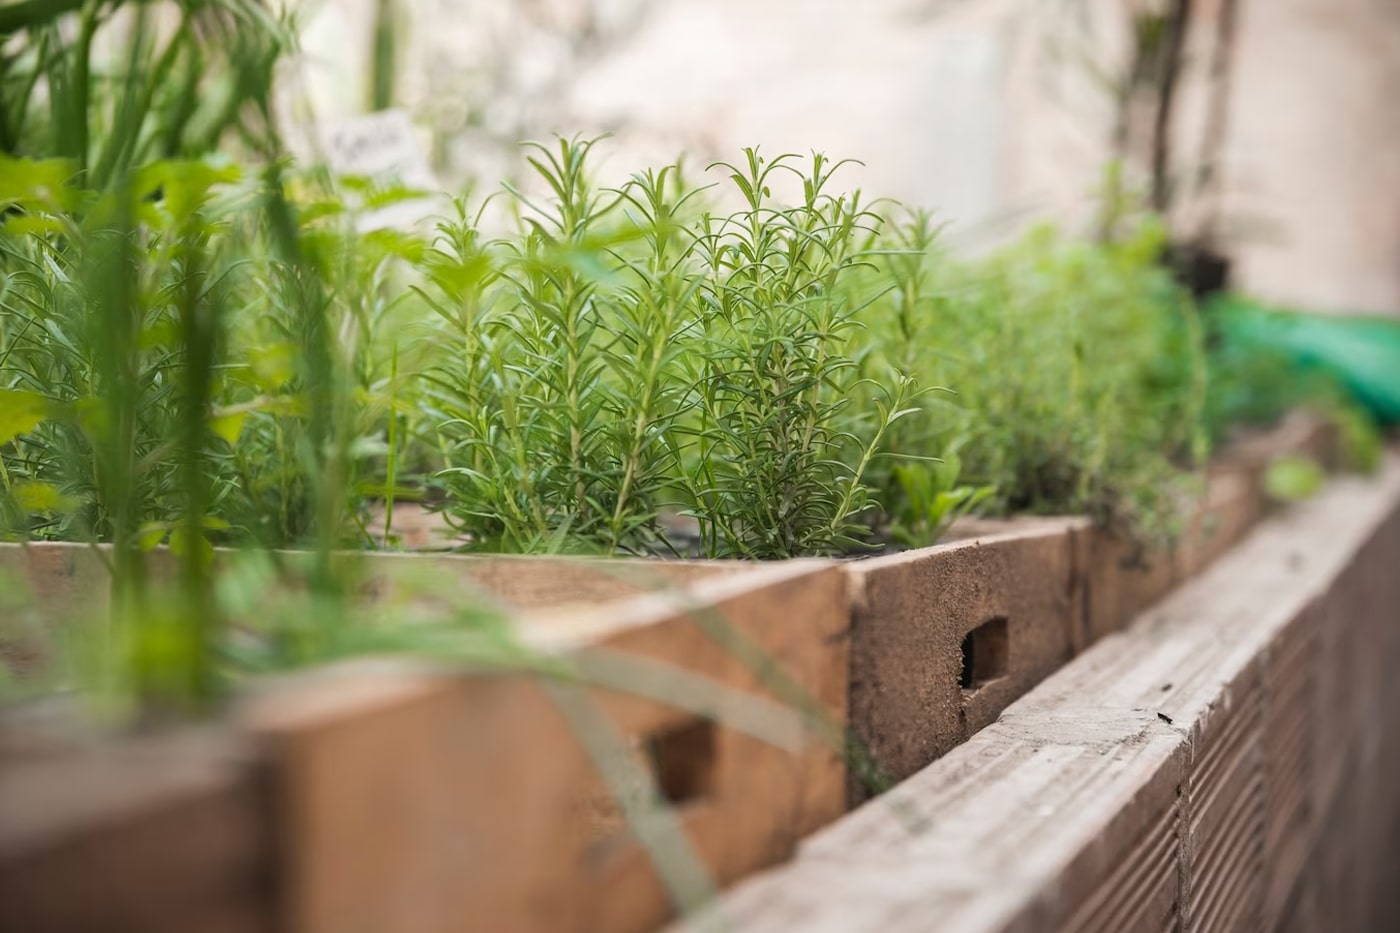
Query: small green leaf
42	497
229	427
20	412
150	535
180	545
1293	478
164	332
27	183
273	366
184	186
92	416
33	225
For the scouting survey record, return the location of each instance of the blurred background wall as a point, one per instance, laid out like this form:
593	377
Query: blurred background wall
1314	152
993	112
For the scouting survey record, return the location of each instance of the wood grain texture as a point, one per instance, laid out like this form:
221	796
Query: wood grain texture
411	803
1056	816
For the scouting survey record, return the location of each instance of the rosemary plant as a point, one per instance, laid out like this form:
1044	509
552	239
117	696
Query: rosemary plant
630	354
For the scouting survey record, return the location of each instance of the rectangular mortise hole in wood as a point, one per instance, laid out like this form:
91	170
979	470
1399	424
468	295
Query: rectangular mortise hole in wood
986	652
683	760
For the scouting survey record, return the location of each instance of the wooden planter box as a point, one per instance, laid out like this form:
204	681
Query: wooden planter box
383	796
1227	762
1123	578
386	796
943	638
166	833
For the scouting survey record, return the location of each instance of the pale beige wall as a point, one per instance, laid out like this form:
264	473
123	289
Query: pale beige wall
978	108
1314	155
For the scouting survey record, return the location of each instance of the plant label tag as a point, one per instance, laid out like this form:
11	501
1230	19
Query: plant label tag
383	149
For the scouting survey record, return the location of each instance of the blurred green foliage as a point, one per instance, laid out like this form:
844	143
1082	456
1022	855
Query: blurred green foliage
202	345
1074	370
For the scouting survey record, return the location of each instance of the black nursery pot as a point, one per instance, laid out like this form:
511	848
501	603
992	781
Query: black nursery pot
1199	268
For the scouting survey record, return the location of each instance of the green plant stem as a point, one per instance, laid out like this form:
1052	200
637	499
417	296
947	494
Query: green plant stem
390	477
136	104
32	14
198	322
81	89
384	56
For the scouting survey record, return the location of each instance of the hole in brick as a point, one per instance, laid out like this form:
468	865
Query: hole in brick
683	760
985	653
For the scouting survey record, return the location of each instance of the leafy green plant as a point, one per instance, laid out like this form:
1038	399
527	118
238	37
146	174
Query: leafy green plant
1362	445
114	318
1075	371
933	500
119	273
193	354
630	353
111	85
1254	385
538	426
781	451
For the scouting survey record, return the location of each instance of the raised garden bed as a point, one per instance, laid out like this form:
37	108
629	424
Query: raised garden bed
373	806
1222	764
231	350
359	797
944	638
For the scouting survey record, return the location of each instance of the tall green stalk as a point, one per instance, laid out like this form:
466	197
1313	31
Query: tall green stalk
384	55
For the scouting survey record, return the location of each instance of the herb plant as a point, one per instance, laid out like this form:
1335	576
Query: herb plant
114	85
631	353
1075	371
